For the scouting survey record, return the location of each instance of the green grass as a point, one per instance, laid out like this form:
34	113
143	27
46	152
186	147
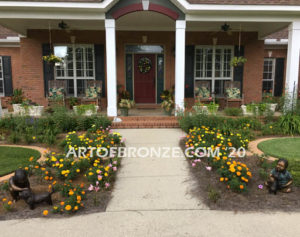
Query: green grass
12	158
288	148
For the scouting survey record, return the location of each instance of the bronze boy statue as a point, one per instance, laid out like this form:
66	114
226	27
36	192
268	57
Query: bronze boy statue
280	178
18	183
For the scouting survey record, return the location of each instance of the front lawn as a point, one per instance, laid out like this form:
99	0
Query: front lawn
287	148
12	158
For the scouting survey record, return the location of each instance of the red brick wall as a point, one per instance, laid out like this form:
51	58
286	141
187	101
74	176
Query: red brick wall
28	65
253	71
14	53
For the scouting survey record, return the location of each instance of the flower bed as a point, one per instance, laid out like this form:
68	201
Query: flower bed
76	179
234	174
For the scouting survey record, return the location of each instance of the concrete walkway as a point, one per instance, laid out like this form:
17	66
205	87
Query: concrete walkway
151	198
153	183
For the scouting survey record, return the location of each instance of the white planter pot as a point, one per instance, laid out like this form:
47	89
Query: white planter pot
87	112
247	113
272	107
200	109
214	112
35	111
19	109
31	110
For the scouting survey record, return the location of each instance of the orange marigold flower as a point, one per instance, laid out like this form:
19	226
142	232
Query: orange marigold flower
45	212
68	207
62	203
241	186
238	173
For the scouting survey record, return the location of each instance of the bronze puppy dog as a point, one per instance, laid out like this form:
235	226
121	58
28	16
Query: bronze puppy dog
32	199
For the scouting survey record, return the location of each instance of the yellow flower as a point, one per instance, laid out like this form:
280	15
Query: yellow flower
78	198
238	173
78	170
221	179
76	208
71	193
68	207
105	174
91	173
4	200
9	203
45	212
55	207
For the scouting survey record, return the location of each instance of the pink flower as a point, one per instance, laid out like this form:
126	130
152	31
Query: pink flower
91	188
123	140
115	168
100	177
208	168
193	164
97	183
260	186
110	165
115	162
107	185
99	172
97	189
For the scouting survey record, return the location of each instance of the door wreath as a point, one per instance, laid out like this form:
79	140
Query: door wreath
144	65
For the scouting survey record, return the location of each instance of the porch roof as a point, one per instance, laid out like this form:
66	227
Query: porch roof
201	15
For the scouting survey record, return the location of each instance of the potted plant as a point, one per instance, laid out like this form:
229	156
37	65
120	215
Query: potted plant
17	99
258	109
52	59
270	100
87	110
31	108
199	107
125	105
168	103
238	61
213	108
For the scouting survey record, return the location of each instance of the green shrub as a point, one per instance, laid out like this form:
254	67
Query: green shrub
233	111
290	124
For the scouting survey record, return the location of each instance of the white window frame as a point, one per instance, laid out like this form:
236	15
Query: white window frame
2	78
273	72
213	78
75	77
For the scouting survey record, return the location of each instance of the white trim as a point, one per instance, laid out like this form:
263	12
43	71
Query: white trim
79	5
231	7
276	42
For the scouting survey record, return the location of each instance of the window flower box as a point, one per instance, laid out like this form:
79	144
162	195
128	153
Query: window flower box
86	110
262	109
30	110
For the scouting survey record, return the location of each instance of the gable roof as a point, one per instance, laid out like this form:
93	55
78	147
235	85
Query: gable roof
246	2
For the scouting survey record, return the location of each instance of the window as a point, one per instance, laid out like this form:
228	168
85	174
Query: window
77	68
212	63
269	75
1	78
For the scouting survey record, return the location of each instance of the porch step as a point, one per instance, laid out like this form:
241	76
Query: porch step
147	122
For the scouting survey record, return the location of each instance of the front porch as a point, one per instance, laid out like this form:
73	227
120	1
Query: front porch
183	47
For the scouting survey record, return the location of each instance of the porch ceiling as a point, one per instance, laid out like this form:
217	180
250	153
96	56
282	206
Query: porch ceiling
21	25
263	28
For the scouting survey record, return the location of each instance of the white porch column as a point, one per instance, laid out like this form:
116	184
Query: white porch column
111	66
180	64
292	71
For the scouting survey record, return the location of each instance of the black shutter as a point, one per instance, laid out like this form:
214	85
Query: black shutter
279	74
99	65
189	71
48	68
239	71
7	76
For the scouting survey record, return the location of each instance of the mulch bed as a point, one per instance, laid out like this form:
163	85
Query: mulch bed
254	200
21	210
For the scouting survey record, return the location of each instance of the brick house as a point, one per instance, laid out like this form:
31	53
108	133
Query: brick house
183	41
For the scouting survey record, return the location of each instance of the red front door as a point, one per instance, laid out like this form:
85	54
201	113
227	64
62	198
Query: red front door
144	78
